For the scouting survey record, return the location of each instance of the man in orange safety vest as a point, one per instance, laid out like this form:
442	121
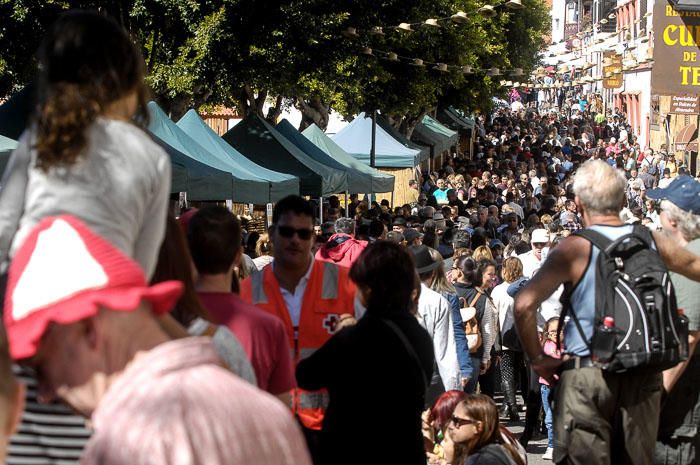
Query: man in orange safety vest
313	298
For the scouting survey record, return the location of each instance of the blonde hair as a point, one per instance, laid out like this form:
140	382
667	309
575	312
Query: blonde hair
512	269
482	253
263	246
600	187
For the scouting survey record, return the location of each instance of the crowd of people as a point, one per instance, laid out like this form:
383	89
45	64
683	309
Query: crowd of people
379	336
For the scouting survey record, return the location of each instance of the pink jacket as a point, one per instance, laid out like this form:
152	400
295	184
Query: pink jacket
341	249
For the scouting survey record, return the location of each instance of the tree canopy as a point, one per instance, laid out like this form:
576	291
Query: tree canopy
243	53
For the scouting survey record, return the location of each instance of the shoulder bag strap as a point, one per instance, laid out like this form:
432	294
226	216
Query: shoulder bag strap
409	348
479	293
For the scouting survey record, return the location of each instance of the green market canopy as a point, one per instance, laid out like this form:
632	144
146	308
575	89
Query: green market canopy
454	119
262	144
371	180
357	180
393	132
266	186
7	145
206	178
431	132
356	139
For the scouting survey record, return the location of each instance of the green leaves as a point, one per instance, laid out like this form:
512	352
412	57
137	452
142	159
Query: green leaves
228	51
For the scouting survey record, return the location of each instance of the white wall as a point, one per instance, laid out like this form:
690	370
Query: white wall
558	18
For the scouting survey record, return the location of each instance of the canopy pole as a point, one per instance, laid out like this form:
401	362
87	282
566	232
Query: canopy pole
392	200
346	204
320	210
373	148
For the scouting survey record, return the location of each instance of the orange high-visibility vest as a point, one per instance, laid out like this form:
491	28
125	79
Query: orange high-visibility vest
329	293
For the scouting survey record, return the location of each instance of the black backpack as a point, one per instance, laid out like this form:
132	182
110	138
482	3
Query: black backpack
637	325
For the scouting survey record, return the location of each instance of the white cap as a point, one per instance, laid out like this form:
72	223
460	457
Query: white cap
539	236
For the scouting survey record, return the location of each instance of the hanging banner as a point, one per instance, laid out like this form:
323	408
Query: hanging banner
614	67
268	214
676	69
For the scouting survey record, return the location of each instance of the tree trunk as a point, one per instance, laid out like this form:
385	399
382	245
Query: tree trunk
274	112
313	111
249	103
175	107
409	123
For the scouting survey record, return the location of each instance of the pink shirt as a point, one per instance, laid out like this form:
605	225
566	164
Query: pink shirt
550	348
176	405
263	337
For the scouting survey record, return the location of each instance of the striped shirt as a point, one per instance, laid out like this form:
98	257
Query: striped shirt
176	404
49	434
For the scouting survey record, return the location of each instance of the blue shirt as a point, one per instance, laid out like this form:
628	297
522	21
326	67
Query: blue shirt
583	296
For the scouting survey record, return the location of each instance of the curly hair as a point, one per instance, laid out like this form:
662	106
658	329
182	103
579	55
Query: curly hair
86	62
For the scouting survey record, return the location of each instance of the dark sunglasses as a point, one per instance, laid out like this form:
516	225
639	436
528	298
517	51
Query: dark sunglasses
459	422
288	232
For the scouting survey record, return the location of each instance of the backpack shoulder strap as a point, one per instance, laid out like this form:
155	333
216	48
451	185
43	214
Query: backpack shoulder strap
644	233
594	237
476	298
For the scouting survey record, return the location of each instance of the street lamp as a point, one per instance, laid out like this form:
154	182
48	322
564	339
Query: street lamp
515	4
460	17
487	10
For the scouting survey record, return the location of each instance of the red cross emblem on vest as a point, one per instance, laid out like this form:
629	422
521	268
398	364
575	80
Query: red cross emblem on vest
330	322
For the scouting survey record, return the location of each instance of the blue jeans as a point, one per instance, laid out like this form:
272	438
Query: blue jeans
474	380
544	391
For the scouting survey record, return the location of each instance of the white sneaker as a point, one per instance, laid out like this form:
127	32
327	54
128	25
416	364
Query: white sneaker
548	454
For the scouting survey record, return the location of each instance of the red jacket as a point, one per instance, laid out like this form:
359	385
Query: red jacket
341	249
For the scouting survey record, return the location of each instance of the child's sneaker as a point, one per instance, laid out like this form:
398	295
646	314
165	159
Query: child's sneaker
548	454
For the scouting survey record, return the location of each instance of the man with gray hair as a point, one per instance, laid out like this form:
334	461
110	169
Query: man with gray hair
677	441
600	417
342	248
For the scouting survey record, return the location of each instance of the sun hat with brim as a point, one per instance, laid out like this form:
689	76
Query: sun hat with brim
64	273
683	192
421	256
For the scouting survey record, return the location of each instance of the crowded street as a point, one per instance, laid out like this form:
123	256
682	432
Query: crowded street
320	235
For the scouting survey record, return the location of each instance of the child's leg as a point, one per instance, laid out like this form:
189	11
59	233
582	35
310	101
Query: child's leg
544	390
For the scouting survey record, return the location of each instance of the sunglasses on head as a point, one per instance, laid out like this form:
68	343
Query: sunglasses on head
288	232
459	422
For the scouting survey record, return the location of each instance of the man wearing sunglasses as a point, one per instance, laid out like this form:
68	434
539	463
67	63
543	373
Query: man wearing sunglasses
311	297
